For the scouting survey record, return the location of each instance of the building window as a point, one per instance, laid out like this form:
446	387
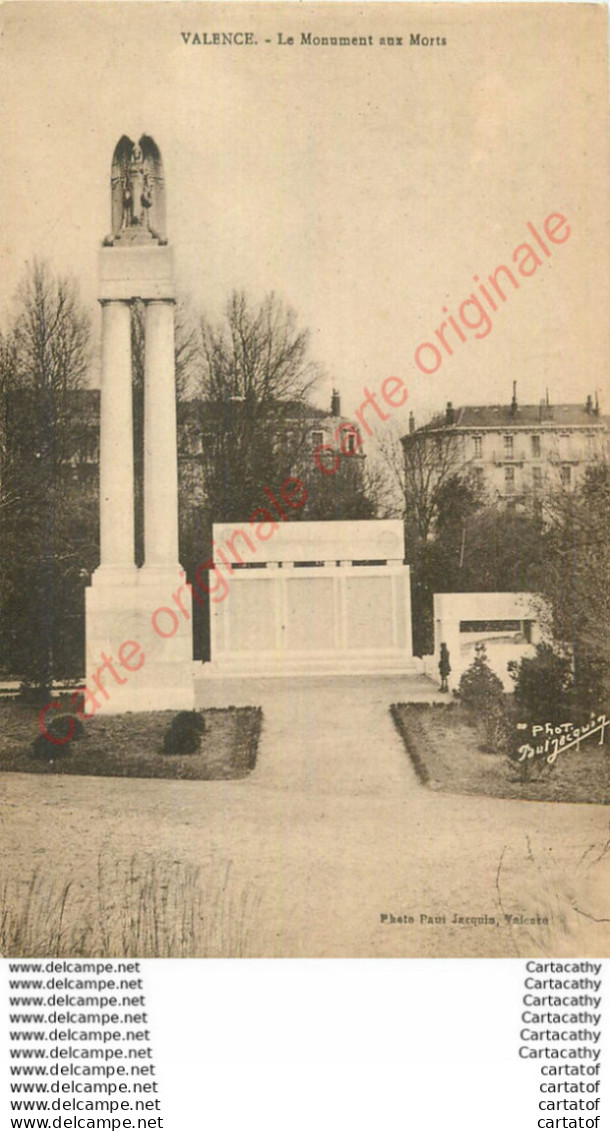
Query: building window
317	438
509	480
478	447
351	443
566	475
590	444
479	478
490	626
509	446
537	478
536	447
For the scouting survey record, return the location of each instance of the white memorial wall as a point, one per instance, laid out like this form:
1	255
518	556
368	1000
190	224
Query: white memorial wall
325	597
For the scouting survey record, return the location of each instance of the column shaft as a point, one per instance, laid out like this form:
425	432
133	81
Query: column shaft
116	439
160	439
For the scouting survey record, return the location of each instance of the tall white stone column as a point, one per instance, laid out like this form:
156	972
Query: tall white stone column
160	440
139	648
116	443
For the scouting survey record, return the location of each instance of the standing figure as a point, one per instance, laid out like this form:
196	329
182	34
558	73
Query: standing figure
136	184
147	200
126	203
444	667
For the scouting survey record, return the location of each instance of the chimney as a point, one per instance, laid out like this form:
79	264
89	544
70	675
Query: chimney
596	409
513	403
589	405
548	403
335	404
411	422
449	413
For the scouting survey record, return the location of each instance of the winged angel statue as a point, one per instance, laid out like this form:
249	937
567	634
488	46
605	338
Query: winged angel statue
137	192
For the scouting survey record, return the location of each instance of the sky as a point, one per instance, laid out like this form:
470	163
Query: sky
365	185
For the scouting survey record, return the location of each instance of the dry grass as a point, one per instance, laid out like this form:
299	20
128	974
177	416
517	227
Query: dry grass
131	745
572	905
444	748
143	907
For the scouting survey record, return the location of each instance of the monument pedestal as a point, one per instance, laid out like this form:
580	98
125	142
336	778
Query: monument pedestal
133	620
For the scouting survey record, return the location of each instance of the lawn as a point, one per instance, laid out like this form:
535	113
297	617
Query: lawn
131	745
444	747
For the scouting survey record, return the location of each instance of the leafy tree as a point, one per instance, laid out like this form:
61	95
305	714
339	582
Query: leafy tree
493	549
477	547
458	500
347	494
457	539
576	582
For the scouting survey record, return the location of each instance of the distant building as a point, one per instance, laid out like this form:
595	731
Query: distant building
519	453
308	435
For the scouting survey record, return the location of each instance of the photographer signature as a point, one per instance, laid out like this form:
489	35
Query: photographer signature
551	739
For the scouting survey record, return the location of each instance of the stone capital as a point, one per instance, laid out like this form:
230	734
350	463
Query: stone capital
140	271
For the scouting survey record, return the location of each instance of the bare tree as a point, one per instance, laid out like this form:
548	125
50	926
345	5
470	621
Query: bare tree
47	523
51	351
257	355
419	466
9	490
387	472
256	375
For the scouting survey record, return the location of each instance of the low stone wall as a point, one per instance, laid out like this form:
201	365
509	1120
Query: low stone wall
507	623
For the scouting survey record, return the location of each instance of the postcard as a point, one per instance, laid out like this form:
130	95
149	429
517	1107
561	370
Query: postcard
304	481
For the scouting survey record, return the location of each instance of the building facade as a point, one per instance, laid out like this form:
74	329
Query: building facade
519	453
307	437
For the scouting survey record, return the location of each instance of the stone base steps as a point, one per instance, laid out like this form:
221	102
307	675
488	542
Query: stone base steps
258	668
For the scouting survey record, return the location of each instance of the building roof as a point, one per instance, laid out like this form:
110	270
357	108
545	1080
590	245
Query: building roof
506	416
528	415
87	401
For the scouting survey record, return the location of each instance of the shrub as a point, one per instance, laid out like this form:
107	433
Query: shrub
184	733
542	685
591	687
62	730
65	728
481	691
479	687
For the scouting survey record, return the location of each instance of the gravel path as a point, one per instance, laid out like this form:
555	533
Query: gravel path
332	831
